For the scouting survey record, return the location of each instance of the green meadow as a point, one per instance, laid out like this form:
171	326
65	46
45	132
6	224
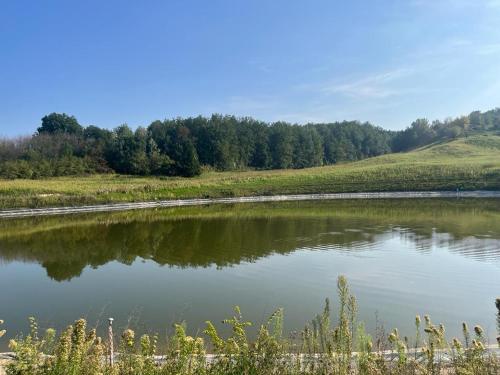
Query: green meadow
466	163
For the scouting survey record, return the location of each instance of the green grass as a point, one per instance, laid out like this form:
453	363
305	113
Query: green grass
468	163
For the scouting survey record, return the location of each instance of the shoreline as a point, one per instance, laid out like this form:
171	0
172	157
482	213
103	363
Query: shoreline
29	212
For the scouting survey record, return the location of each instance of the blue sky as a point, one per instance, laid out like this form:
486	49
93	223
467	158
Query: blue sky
116	61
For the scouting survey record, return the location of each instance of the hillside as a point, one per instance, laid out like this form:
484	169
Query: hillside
479	146
465	163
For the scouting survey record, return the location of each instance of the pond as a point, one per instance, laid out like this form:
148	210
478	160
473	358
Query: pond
149	269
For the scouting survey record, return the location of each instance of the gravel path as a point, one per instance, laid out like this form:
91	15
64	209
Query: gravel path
23	212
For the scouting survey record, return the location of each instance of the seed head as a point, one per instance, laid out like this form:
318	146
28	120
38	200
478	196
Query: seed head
456	344
478	330
478	344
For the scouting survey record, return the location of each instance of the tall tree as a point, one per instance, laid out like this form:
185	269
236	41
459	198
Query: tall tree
60	123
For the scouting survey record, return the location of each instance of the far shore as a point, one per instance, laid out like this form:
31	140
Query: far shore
27	212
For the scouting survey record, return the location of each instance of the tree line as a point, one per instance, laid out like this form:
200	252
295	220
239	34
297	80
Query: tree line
184	146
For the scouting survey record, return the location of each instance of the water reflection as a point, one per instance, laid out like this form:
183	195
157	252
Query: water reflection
228	235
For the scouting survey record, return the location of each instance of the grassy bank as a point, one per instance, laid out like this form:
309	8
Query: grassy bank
325	346
467	163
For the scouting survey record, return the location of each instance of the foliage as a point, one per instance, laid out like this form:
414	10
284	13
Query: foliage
180	147
467	163
321	348
60	123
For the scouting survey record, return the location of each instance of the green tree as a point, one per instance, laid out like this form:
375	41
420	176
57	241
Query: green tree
60	123
280	145
184	154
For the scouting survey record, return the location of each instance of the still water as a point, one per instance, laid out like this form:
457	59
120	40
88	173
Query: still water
149	269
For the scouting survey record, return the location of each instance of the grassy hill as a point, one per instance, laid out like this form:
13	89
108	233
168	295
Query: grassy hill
468	163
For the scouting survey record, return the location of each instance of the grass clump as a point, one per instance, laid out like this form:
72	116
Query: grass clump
322	347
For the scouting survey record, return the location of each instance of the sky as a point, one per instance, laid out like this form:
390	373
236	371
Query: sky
119	61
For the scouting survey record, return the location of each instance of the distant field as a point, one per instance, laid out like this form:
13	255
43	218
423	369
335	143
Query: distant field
466	163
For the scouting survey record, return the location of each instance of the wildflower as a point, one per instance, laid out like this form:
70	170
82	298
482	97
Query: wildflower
91	336
78	335
13	345
64	346
417	320
50	332
145	345
456	344
128	336
392	338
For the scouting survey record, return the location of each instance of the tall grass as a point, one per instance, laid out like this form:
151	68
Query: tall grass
327	345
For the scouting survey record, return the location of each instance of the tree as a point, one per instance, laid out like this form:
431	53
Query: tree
418	134
60	123
122	148
159	164
280	145
184	154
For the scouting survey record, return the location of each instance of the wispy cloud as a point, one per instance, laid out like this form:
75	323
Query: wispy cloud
374	86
